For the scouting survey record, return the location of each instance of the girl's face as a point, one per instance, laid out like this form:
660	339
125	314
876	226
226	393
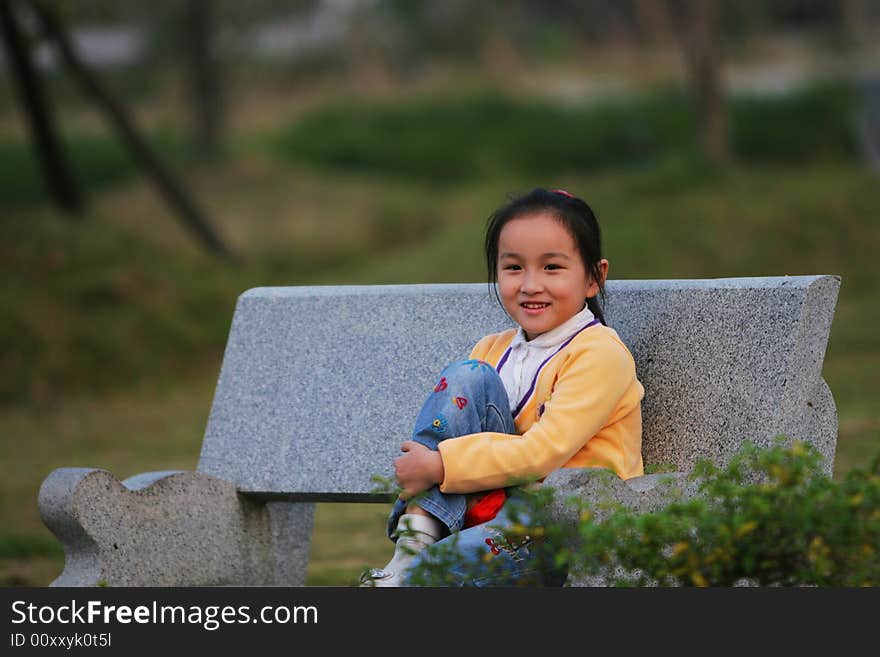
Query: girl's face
542	279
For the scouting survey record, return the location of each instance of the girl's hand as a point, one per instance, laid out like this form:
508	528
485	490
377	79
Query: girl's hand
417	469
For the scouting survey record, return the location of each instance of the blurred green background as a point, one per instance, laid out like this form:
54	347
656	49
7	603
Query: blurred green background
366	141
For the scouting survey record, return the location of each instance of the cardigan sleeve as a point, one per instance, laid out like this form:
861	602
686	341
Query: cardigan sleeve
592	383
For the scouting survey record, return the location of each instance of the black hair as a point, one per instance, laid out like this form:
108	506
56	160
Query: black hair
573	213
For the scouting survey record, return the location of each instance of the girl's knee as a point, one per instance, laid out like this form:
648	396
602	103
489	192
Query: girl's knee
468	372
473	392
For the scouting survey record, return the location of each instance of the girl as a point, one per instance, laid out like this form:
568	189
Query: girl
558	391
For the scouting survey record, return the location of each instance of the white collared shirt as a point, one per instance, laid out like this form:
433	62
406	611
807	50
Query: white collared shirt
520	368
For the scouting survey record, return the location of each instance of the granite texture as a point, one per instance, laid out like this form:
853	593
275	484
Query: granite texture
172	529
320	385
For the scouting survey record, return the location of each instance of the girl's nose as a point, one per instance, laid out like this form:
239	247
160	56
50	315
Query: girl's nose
531	283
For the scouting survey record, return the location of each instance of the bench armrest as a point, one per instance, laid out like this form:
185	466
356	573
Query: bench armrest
168	528
599	486
602	489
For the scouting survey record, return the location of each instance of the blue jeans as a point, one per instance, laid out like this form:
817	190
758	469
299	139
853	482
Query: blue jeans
470	398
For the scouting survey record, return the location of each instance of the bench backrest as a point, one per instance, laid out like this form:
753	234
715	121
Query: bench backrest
320	385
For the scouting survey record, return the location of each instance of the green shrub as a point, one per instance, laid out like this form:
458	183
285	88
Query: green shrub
97	162
457	138
771	517
816	123
491	134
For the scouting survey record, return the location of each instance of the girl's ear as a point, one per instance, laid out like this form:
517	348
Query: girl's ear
603	270
595	285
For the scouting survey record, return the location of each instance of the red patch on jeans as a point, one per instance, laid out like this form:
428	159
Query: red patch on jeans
442	385
461	402
486	508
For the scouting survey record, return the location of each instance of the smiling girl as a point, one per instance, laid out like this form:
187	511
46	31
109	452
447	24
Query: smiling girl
558	391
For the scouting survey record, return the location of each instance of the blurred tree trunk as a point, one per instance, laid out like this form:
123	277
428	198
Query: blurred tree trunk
198	42
165	182
59	178
653	23
697	22
856	20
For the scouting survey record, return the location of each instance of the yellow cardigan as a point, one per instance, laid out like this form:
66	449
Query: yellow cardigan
585	411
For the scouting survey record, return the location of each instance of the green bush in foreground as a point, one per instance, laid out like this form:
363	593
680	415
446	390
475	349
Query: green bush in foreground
771	517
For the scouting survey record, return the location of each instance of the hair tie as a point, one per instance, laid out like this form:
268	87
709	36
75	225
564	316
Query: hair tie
563	192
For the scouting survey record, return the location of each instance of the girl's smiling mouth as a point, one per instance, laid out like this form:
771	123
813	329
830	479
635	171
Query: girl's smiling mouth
533	307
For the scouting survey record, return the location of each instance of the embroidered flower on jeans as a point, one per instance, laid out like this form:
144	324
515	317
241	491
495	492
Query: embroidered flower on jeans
513	549
439	424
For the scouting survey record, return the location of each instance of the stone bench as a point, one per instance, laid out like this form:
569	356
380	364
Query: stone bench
320	385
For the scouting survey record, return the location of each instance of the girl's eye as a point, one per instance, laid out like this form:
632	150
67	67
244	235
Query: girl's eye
552	267
511	267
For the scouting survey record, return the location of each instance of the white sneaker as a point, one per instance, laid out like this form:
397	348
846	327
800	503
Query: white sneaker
415	532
